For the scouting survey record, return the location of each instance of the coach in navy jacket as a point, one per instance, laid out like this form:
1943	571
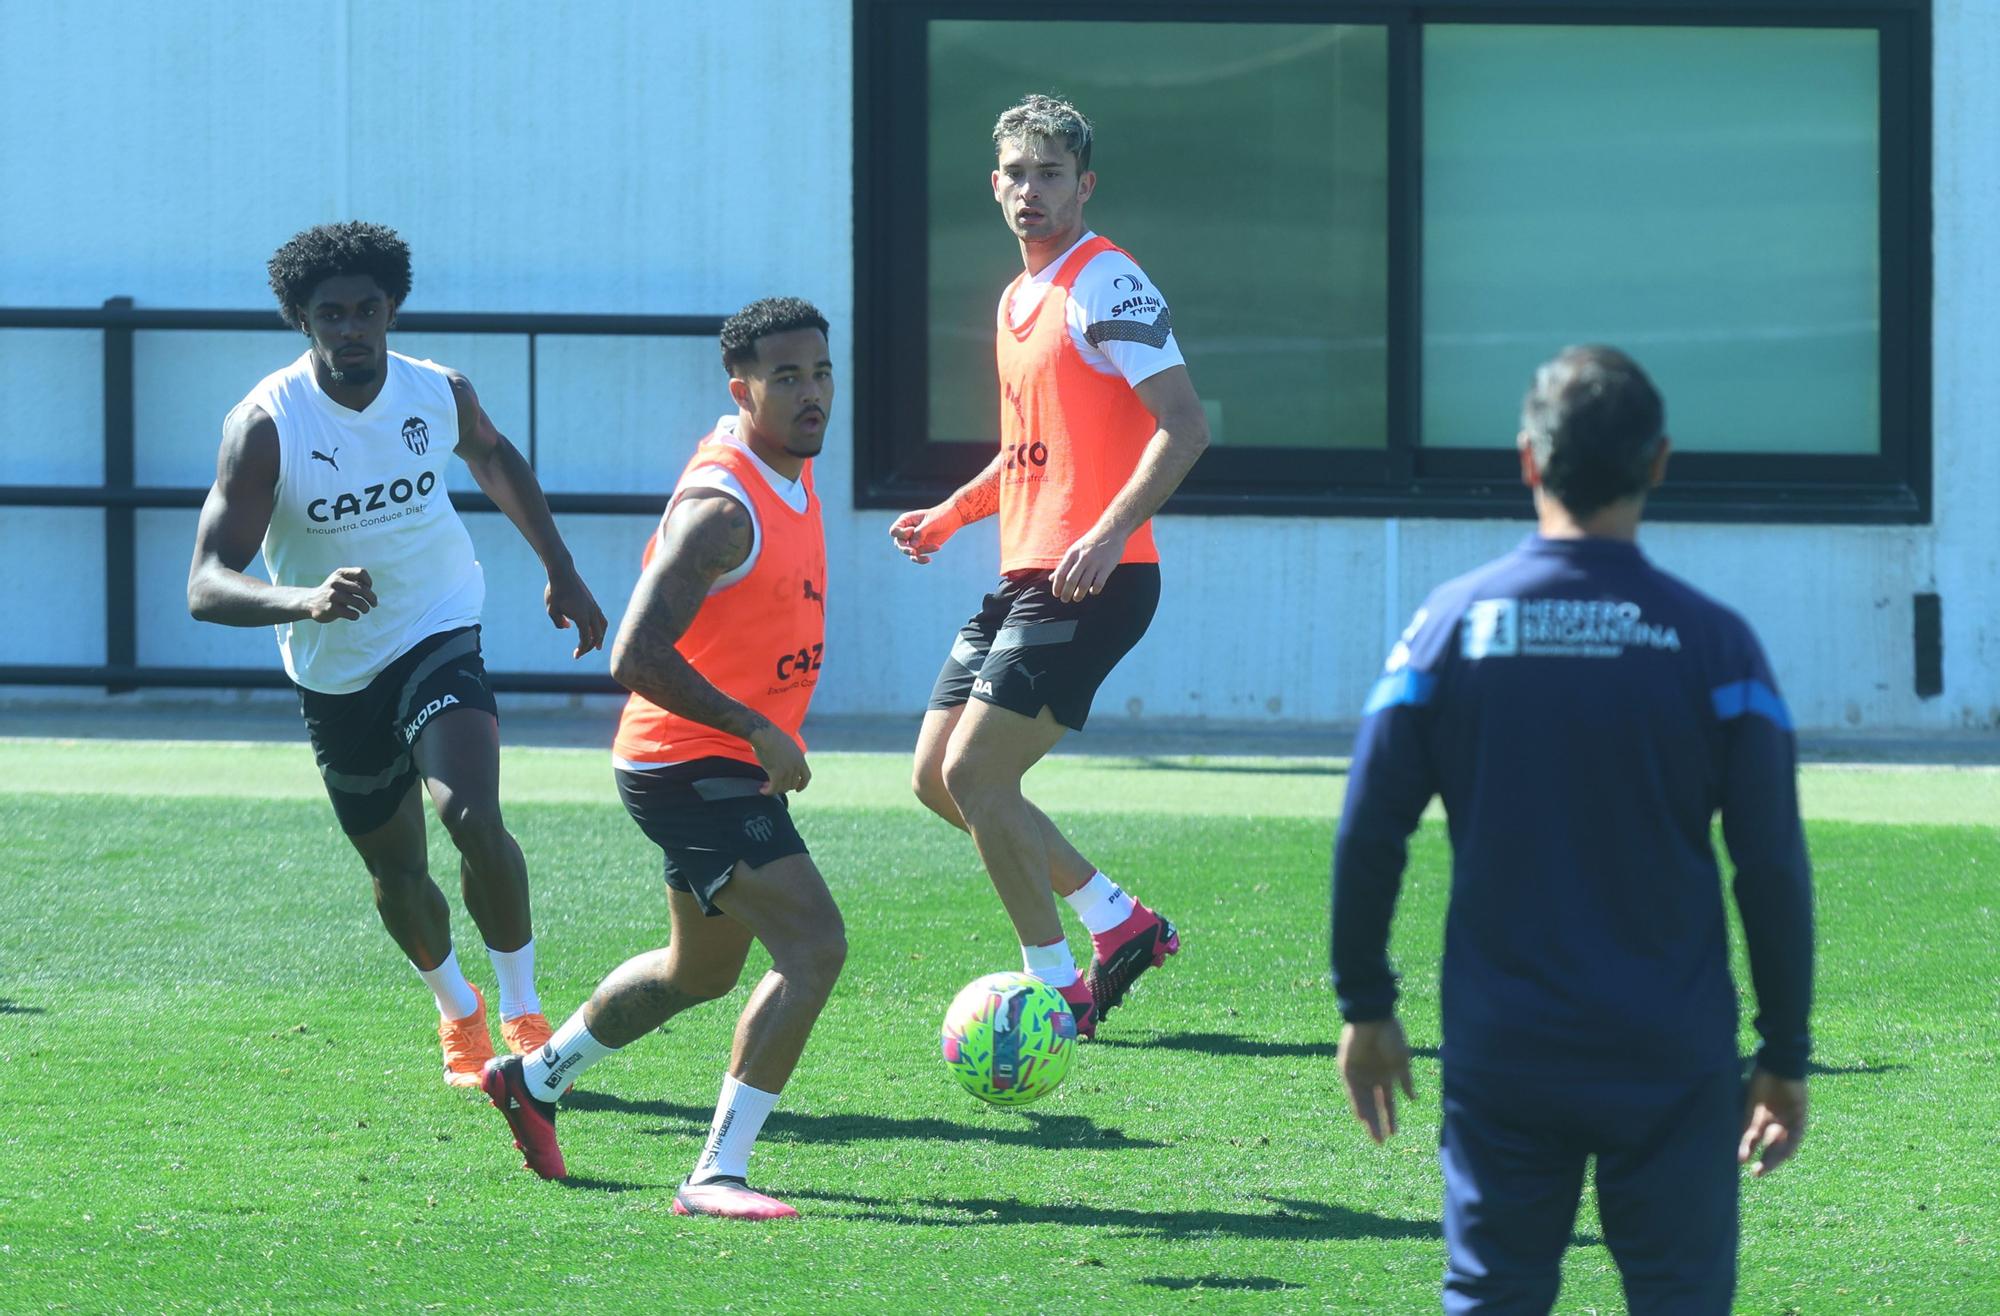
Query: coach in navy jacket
1584	716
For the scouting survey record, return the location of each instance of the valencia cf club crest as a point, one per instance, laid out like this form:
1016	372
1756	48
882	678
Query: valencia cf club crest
416	435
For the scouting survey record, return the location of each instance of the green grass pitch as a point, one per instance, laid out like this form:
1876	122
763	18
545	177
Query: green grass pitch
218	1084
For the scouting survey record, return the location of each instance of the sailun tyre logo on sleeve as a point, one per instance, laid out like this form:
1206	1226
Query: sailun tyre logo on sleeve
416	435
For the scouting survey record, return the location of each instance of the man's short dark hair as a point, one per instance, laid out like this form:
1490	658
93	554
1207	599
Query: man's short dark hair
761	319
1594	422
1039	118
331	251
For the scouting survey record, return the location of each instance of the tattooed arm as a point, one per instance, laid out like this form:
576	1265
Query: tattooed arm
980	496
920	534
707	534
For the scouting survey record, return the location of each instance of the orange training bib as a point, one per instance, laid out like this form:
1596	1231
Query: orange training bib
1070	437
760	640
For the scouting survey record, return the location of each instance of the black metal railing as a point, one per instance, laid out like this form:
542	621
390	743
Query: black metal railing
121	498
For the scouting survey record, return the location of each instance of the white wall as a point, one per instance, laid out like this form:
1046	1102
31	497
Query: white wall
1965	343
688	157
637	157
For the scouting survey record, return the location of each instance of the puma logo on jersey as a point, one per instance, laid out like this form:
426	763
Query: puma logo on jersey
320	456
814	596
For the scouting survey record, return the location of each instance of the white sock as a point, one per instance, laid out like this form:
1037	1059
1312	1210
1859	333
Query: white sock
1101	903
516	970
739	1118
447	982
550	1071
1053	963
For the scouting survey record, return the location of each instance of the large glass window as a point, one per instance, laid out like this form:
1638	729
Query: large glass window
1372	224
1233	161
1705	198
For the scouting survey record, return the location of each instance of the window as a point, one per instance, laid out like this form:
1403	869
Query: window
1234	159
1703	197
1373	223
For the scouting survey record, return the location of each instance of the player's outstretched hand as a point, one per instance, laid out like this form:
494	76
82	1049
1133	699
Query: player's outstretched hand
780	757
343	596
1774	1122
1374	1062
922	533
568	600
1084	568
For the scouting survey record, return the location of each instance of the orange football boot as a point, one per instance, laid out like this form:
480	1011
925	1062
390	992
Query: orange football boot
526	1034
467	1045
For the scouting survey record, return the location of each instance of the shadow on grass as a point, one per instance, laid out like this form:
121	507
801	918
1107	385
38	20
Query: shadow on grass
608	1185
1250	769
1814	1067
1229	1044
12	1007
1218	1044
1286	1219
1031	1129
1246	1283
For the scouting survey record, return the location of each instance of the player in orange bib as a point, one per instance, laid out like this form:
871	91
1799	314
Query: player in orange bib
721	647
1098	425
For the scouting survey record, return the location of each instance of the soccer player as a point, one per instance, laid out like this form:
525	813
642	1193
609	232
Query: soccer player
336	467
1098	424
721	648
1584	715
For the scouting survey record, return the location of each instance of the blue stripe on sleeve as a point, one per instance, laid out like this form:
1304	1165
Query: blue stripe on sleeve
1404	687
1744	697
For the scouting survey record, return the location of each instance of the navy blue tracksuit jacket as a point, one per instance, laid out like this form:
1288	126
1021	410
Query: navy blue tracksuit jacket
1584	717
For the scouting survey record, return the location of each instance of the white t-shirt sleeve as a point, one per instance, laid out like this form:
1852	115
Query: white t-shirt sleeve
715	477
1120	322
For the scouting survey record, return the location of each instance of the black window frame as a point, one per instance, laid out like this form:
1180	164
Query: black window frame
898	466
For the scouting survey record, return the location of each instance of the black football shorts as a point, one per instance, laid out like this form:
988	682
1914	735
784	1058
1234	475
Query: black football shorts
1026	650
707	816
363	740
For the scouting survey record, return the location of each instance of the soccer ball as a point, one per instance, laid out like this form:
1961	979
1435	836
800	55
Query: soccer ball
1008	1039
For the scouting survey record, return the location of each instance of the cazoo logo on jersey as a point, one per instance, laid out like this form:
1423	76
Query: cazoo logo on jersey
372	498
803	663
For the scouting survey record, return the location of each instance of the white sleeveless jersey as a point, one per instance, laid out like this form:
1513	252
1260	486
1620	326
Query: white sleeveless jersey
366	489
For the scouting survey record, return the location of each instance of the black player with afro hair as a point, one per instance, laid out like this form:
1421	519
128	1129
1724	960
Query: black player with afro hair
333	466
340	285
331	251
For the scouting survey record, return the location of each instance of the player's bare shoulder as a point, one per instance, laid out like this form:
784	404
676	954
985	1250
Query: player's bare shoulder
466	399
249	451
709	529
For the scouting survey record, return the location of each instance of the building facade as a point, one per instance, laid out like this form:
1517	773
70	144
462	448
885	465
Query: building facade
1370	222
